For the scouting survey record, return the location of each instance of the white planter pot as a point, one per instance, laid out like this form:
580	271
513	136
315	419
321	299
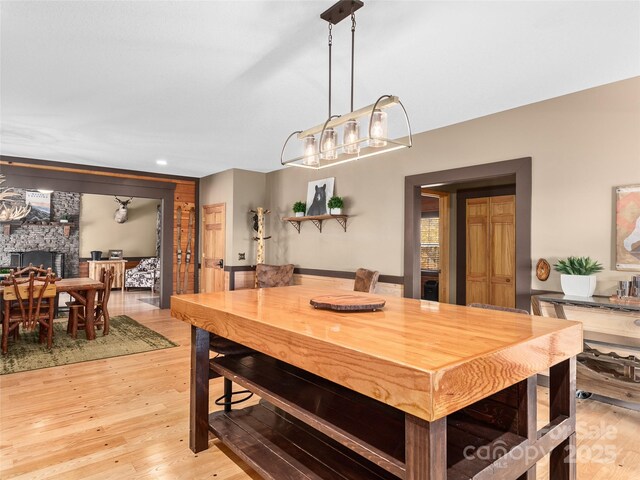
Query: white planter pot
578	285
335	211
299	214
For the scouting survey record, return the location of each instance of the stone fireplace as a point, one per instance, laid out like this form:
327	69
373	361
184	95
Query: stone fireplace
47	240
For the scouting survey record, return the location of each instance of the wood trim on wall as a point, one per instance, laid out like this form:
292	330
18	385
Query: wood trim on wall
232	269
29	173
521	168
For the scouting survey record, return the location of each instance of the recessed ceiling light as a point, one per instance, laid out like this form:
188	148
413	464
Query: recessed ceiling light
42	190
161	162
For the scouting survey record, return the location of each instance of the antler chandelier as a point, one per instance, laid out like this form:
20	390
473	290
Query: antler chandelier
365	132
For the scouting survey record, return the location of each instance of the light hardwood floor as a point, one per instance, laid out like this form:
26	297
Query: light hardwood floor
127	417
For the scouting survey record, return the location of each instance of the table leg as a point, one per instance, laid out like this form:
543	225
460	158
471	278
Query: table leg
426	448
199	395
527	417
90	314
562	401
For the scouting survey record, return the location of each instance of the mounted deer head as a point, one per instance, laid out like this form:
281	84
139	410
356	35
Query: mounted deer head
121	212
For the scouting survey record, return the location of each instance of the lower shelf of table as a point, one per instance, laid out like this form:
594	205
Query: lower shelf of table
279	446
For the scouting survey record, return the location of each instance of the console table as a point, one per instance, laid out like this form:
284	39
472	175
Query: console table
600	368
96	266
416	391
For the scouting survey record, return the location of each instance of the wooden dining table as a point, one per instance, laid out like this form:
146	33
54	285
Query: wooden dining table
83	290
417	390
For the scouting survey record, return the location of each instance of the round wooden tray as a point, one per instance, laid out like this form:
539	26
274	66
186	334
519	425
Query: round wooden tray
349	302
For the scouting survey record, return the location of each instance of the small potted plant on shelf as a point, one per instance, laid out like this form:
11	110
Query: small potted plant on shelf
299	208
64	218
335	205
578	275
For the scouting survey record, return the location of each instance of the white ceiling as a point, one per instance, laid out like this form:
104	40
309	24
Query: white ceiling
213	85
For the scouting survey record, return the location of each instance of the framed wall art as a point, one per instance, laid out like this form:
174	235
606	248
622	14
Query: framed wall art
628	227
318	194
40	206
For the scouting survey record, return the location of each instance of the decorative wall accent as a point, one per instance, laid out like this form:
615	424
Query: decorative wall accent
158	229
628	227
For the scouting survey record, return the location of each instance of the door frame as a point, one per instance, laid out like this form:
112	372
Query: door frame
444	214
521	168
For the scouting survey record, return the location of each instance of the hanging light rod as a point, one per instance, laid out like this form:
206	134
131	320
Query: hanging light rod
366	130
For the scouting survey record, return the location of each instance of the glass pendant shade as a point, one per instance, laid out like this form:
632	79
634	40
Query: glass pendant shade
373	130
329	143
378	129
310	150
351	135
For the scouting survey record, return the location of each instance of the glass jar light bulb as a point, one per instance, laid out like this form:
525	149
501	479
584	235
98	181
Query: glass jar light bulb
329	150
351	134
378	129
310	150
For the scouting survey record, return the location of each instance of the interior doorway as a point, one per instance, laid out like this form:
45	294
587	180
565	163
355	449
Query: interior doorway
451	183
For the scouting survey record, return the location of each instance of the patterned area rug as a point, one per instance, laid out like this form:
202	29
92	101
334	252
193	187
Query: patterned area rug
126	336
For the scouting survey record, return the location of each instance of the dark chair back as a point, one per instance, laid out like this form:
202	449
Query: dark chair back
366	280
274	275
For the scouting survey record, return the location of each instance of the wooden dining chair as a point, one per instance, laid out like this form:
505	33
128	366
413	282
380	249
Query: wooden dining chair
101	316
274	275
37	270
102	305
28	302
366	280
498	308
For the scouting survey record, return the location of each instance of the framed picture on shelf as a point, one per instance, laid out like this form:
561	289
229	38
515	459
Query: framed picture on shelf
318	194
40	206
115	254
628	227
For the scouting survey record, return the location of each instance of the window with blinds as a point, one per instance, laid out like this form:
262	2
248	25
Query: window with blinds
430	243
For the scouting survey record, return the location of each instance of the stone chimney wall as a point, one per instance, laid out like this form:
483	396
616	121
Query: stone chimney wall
50	238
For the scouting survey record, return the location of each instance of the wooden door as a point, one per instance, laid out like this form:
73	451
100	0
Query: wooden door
213	235
491	250
503	250
477	239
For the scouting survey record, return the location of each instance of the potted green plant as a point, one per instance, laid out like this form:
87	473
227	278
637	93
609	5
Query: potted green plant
299	208
578	275
335	205
65	218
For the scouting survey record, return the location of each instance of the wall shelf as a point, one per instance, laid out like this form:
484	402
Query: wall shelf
6	226
317	221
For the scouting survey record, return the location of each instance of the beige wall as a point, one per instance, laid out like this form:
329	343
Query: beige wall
240	191
582	146
249	193
218	188
99	231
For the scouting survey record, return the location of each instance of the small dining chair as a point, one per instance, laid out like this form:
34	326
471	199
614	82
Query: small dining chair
28	302
366	280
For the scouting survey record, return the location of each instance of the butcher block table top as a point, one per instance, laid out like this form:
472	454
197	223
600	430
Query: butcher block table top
425	358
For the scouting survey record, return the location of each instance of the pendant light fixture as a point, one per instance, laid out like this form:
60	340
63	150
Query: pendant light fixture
358	134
